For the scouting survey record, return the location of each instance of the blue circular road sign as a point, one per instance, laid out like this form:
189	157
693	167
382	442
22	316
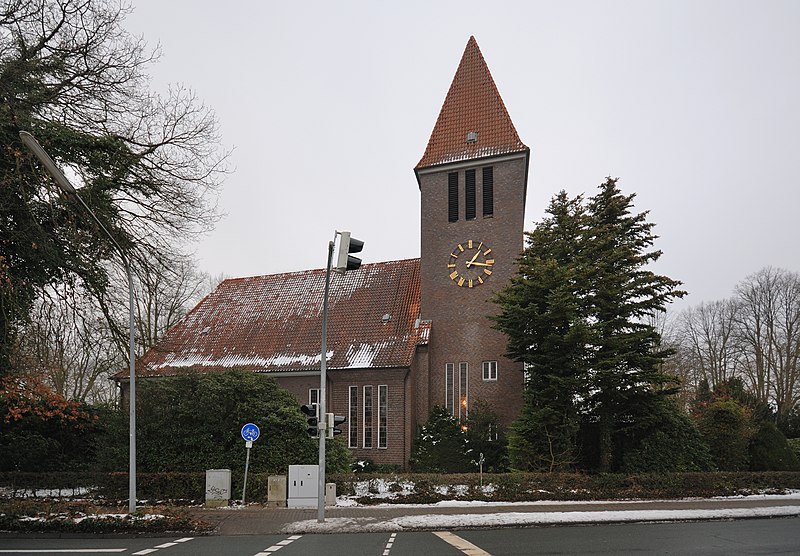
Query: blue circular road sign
250	432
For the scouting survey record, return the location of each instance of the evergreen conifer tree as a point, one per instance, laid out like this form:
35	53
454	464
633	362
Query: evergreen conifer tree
543	319
577	316
627	353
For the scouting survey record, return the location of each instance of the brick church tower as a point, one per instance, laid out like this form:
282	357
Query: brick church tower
472	180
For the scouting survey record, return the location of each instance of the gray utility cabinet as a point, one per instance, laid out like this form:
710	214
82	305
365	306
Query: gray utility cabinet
303	485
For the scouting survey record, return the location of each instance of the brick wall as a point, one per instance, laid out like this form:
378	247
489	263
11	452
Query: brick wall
461	330
397	449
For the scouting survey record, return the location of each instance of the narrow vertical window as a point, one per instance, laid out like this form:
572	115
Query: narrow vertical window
488	191
452	196
367	416
490	370
463	390
313	395
469	194
352	437
383	415
449	369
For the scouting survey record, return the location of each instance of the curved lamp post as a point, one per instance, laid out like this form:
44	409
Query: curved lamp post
67	187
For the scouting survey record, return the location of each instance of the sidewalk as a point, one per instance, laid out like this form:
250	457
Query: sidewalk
256	520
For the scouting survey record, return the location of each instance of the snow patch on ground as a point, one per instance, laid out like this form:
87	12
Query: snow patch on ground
345	501
437	521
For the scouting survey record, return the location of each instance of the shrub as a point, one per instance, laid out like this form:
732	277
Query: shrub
192	422
769	450
724	424
440	445
671	443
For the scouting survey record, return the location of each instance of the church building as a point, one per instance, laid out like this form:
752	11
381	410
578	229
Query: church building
403	336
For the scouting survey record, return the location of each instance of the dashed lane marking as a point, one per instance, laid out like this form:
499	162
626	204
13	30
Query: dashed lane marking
462	544
160	546
277	546
389	544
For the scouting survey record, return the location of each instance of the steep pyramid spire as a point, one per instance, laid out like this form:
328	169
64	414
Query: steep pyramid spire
473	122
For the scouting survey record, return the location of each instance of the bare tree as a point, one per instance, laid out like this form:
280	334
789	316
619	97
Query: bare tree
164	294
147	164
708	340
68	343
768	328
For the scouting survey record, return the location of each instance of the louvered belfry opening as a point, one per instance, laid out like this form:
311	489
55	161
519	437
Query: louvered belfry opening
488	191
452	197
469	195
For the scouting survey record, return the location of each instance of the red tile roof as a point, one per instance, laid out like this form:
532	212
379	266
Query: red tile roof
274	323
473	104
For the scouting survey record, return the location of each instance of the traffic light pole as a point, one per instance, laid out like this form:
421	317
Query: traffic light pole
321	423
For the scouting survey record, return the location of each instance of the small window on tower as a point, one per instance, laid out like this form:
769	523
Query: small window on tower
469	195
490	370
463	391
452	196
449	387
488	191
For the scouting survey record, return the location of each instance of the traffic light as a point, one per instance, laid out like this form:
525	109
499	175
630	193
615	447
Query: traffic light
333	421
344	260
312	410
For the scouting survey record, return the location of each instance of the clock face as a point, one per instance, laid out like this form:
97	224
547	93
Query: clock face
470	264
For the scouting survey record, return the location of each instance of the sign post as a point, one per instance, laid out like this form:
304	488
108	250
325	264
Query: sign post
250	433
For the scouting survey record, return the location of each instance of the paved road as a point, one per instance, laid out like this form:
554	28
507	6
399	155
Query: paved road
757	536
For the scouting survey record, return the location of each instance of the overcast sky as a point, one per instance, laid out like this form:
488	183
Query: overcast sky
329	105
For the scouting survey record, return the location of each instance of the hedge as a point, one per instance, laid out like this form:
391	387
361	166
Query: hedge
408	488
525	487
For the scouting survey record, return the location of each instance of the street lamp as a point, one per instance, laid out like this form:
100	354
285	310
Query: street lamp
67	187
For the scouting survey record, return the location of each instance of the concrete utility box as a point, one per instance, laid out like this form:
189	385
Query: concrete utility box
276	491
303	485
330	494
218	487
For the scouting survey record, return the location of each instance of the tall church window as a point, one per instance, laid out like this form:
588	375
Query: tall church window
452	196
449	370
463	390
367	416
488	191
352	437
383	415
469	194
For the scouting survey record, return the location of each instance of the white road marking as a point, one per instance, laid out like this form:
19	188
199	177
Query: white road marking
462	544
389	544
164	545
63	550
277	546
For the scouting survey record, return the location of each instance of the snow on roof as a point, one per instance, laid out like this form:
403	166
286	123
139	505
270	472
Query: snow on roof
473	122
274	323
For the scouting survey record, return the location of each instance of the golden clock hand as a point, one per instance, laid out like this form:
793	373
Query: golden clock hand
480	264
472	260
